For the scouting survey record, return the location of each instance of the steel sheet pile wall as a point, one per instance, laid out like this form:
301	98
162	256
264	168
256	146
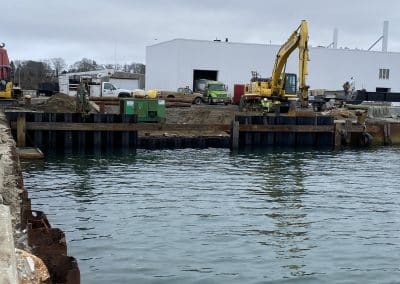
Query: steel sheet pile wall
177	142
75	134
286	131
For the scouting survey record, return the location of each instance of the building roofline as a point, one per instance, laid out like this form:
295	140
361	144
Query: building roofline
209	41
91	72
275	45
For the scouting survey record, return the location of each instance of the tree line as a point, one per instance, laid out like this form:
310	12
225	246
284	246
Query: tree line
28	74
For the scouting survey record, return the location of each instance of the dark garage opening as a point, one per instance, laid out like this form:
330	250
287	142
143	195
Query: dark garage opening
204	74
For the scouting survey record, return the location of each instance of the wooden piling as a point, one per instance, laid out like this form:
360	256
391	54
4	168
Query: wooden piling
338	136
21	130
235	135
386	134
347	133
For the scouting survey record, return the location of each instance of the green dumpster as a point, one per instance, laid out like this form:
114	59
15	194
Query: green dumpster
147	110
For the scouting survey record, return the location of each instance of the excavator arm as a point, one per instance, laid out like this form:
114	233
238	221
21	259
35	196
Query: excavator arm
298	39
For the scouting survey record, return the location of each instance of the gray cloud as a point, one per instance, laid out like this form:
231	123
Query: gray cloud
101	29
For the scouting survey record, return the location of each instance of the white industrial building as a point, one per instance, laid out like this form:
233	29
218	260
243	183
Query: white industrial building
177	63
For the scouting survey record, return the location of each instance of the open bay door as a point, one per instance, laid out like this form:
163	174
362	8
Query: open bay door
204	74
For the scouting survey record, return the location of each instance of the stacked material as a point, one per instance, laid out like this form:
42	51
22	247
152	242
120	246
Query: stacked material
176	99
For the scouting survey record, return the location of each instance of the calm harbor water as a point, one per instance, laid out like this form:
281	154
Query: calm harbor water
209	216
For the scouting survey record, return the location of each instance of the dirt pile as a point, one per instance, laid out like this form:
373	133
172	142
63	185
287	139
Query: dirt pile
58	103
202	114
197	114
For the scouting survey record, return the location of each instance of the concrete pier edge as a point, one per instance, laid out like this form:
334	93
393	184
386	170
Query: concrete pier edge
16	229
9	205
8	264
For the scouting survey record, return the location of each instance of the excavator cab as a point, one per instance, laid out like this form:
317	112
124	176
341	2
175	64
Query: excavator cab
290	84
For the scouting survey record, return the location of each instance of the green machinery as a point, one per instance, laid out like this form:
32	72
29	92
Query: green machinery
147	110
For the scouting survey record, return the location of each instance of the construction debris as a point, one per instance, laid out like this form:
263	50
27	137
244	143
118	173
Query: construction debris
340	113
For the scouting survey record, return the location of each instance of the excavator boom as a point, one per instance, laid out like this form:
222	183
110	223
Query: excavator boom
298	39
303	64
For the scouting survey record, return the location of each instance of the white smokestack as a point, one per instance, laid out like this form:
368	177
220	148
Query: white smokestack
385	36
335	37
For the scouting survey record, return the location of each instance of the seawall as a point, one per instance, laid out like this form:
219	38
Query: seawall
26	236
11	189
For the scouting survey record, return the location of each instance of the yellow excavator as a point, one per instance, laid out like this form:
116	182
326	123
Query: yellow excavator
278	91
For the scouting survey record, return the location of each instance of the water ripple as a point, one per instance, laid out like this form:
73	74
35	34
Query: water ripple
210	216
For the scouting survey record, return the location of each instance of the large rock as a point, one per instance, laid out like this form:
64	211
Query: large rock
31	269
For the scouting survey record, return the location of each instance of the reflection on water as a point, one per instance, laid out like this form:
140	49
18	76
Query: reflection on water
209	216
282	188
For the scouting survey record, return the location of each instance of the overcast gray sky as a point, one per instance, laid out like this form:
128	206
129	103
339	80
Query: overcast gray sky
121	29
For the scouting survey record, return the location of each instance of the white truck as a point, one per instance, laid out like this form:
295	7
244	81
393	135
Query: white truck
97	83
107	89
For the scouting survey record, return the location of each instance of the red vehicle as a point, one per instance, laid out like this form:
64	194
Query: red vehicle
8	92
5	74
